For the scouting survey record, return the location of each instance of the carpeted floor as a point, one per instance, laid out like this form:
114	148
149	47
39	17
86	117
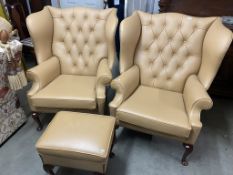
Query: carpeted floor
136	153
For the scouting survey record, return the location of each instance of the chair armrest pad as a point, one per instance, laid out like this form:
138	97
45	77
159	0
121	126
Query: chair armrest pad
104	77
196	99
124	85
43	74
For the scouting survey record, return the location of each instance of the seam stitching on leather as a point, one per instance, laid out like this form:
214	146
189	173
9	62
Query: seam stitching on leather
161	122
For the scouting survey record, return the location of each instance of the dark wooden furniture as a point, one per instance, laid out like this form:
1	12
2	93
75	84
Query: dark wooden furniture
18	12
223	83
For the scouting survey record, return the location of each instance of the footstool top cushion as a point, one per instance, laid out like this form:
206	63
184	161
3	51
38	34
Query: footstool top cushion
78	136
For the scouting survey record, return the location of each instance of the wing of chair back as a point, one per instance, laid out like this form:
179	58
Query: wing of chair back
128	81
177	70
215	45
40	27
74	43
104	75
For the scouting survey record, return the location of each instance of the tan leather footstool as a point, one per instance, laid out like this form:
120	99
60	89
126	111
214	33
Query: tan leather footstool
77	140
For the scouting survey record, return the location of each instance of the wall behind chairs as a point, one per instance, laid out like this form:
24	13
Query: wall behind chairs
150	6
72	3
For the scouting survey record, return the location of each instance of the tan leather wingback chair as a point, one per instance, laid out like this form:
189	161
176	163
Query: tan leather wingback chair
167	63
75	51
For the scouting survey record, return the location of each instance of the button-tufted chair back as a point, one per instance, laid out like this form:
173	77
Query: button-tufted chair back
81	37
170	48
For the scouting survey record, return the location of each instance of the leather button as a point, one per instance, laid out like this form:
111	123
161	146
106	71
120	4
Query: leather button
97	16
178	66
172	53
159	50
151	62
67	28
184	39
80	53
179	25
164	62
80	29
97	42
91	53
91	29
85	64
195	27
74	40
86	41
164	23
85	16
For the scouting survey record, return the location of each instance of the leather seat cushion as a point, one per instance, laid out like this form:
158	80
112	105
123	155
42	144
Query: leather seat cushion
157	110
78	136
69	92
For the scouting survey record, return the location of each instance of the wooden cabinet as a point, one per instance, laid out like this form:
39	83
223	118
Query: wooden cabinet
20	9
223	82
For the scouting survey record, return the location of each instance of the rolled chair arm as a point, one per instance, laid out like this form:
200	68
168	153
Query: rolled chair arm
196	99
43	74
104	77
124	85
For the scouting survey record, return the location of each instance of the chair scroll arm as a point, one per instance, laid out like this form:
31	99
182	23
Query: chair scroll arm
124	85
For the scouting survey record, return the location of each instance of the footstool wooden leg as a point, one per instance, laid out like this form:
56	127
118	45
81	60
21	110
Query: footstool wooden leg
75	153
35	116
48	169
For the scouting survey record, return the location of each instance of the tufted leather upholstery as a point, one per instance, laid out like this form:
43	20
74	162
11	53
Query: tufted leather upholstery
75	50
79	39
167	62
74	144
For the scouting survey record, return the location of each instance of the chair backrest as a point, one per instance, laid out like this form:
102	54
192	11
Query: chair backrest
81	37
171	46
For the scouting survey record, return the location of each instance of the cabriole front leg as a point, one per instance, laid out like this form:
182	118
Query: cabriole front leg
48	169
188	151
36	118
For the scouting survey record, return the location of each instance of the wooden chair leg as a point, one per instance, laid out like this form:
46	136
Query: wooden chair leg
188	151
49	169
35	116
